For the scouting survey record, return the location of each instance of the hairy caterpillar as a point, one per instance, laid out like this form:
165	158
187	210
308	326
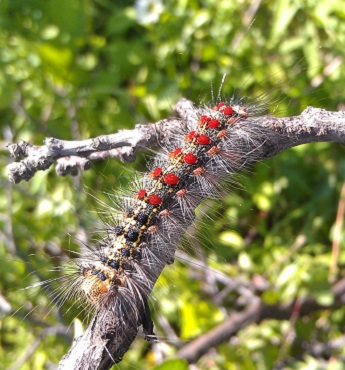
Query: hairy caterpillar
240	123
221	21
120	272
156	213
233	131
116	276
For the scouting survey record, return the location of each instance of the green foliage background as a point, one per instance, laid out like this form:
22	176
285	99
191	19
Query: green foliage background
81	68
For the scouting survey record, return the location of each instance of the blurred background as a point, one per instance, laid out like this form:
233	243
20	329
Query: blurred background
82	68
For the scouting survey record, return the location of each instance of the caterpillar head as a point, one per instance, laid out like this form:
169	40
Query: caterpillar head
94	288
98	285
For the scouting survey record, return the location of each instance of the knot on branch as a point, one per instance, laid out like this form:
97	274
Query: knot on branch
19	149
26	169
53	144
101	142
71	165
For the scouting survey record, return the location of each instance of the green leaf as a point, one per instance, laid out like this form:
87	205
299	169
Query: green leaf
176	364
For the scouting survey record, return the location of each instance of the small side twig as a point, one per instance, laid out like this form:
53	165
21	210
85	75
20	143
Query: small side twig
75	155
255	313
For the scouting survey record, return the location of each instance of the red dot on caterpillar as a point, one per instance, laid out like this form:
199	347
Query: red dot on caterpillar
175	153
181	193
214	150
141	193
171	179
199	171
155	199
157	172
219	107
203	140
205	119
213	123
192	135
228	111
190	158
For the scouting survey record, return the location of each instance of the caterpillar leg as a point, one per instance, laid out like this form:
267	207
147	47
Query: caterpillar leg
147	323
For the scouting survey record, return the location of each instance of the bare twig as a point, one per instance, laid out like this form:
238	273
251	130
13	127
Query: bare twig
313	125
72	156
255	313
244	288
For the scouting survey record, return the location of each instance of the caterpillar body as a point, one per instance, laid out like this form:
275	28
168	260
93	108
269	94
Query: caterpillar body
116	277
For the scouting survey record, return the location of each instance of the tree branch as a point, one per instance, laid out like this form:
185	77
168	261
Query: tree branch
313	125
255	313
72	156
101	346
